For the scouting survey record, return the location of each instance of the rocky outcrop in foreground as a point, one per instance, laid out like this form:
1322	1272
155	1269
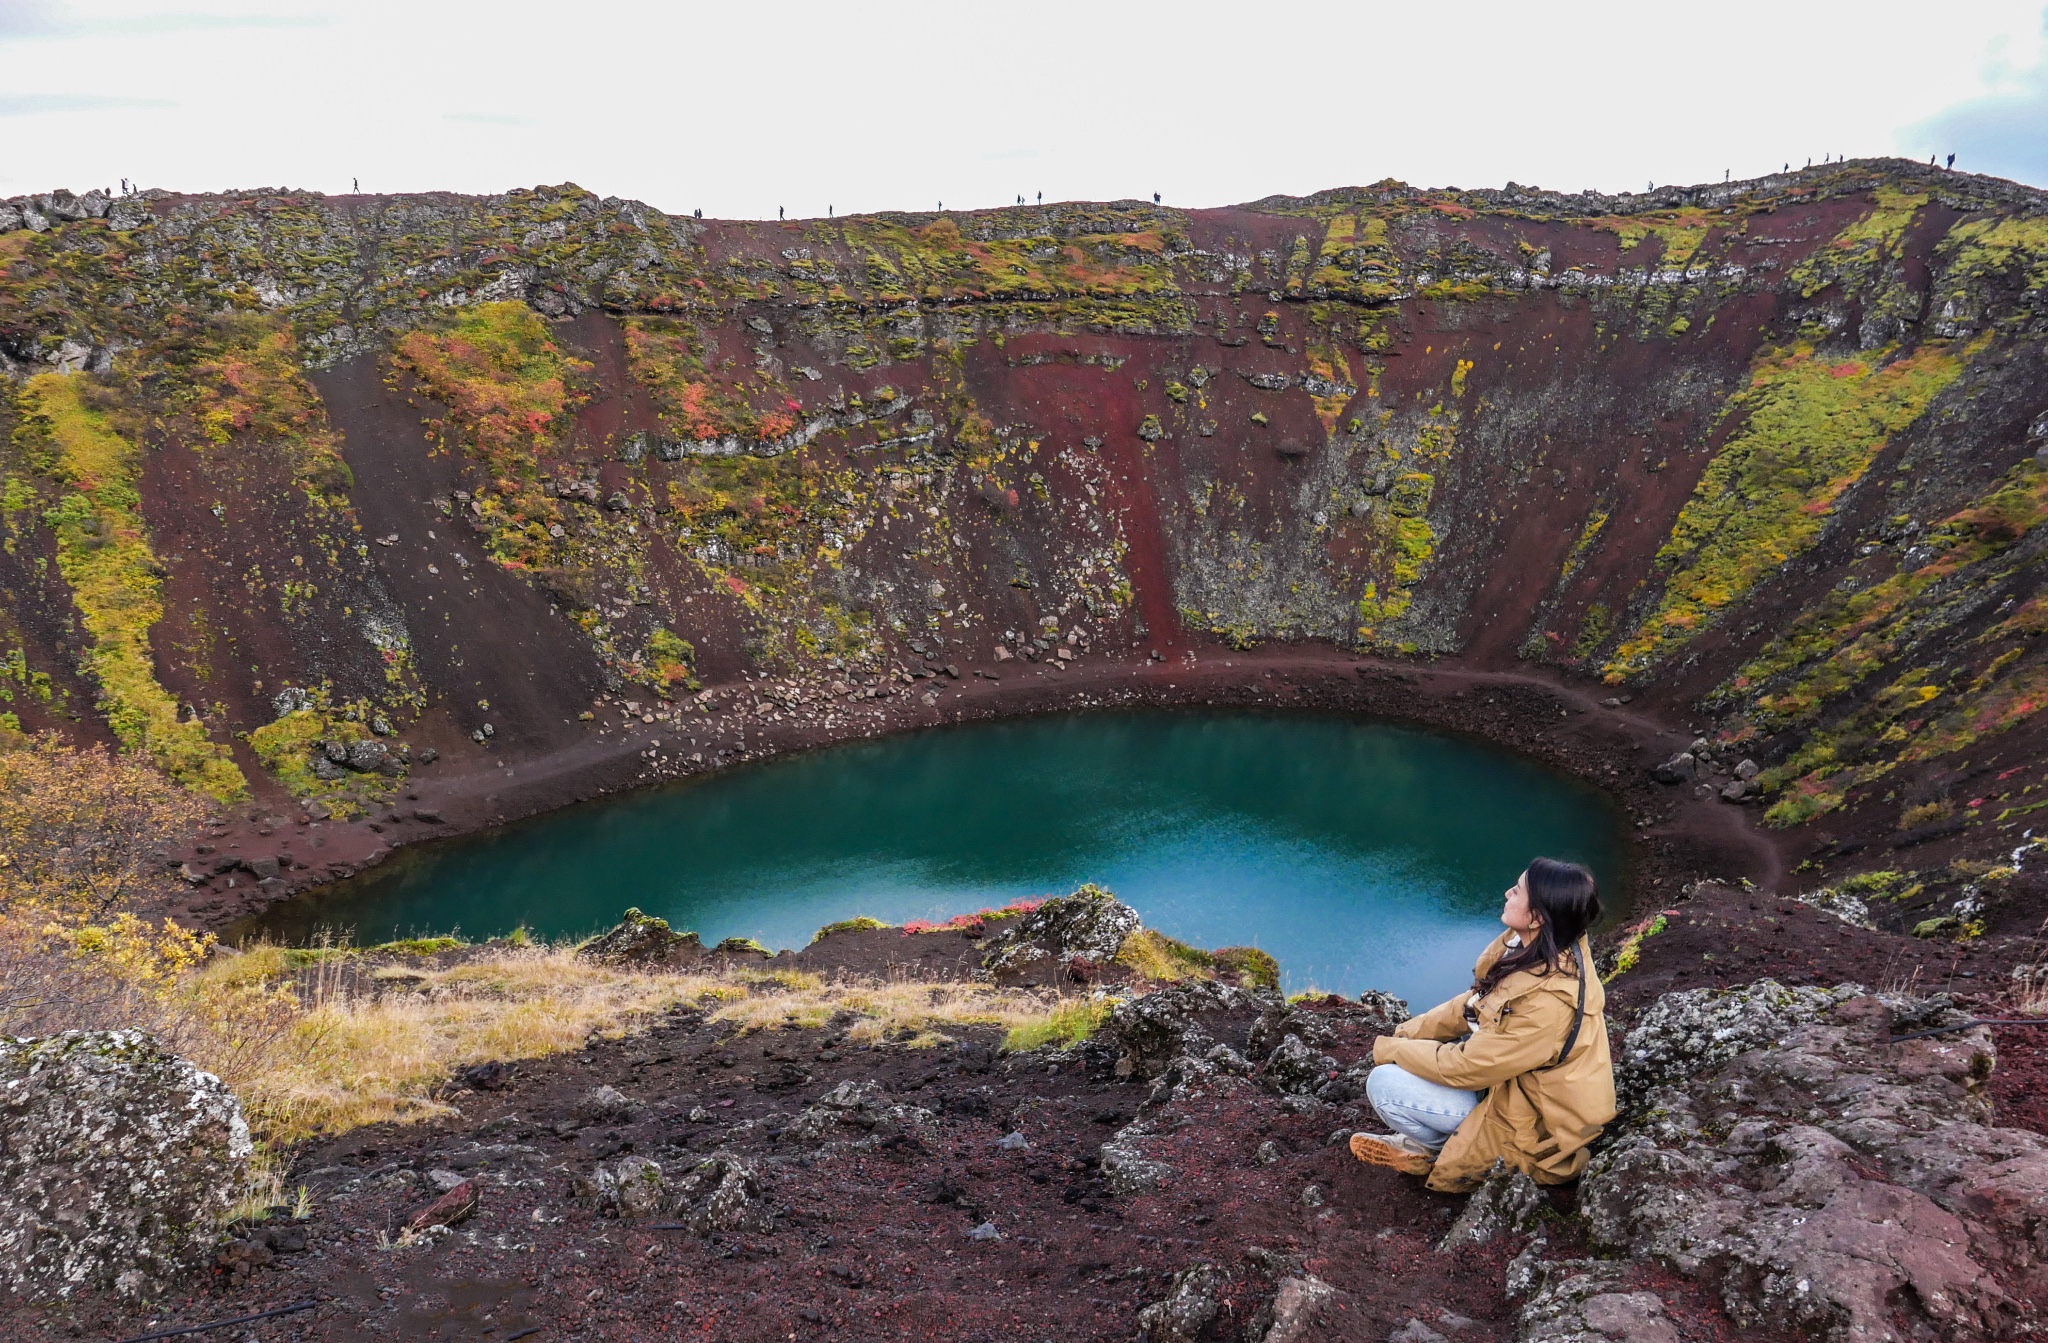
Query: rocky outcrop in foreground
1825	1180
118	1163
1779	1150
1787	1167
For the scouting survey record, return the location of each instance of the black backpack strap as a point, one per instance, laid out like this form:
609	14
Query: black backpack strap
1571	1037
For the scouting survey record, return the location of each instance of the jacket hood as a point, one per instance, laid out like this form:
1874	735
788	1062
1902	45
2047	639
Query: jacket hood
1564	984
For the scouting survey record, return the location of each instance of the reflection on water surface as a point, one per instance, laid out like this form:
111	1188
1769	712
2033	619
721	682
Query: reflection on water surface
1360	854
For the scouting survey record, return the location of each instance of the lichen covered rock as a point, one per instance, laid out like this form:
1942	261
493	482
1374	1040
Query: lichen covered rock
722	1193
642	940
1683	1033
1188	1308
118	1163
633	1187
1154	1030
860	1113
1090	923
1299	1305
1296	1069
1507	1202
1830	1181
1126	1168
1588	1301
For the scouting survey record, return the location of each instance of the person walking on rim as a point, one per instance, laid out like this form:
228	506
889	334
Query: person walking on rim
1517	1069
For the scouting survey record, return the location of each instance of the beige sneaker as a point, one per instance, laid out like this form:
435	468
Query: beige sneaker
1396	1151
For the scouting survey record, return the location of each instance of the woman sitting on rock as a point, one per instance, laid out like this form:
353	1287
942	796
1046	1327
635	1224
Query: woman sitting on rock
1517	1070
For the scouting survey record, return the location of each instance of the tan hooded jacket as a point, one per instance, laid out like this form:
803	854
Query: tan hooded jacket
1536	1117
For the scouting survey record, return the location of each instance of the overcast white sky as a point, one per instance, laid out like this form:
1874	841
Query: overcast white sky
739	108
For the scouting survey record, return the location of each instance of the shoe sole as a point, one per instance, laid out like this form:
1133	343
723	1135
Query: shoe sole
1375	1153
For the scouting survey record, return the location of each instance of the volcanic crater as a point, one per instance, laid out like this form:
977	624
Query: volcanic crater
379	519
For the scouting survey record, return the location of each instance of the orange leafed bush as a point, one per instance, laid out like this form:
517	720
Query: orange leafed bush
504	380
79	830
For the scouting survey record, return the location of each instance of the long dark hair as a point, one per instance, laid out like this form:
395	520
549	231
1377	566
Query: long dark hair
1564	896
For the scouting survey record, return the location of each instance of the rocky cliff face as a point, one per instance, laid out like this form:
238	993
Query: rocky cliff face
301	489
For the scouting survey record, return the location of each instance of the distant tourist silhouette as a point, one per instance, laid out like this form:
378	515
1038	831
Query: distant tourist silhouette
1951	160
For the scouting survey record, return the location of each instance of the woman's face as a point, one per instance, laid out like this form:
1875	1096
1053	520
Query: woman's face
1515	911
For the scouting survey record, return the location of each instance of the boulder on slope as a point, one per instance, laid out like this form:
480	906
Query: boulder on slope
642	940
118	1164
1829	1181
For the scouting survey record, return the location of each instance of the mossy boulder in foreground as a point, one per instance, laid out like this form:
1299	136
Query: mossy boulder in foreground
118	1164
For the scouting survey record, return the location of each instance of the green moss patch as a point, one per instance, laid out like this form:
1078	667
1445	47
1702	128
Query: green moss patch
1811	429
287	747
1247	963
861	924
1157	956
105	557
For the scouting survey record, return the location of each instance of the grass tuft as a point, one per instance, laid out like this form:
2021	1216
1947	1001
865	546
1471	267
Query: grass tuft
861	924
1068	1024
1157	956
416	946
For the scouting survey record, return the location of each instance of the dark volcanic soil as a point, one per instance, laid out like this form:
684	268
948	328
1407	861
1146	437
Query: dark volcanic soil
874	1244
1724	936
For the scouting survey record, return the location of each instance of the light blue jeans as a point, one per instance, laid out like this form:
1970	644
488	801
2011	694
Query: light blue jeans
1423	1110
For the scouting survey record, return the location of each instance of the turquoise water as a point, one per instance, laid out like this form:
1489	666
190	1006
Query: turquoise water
1360	854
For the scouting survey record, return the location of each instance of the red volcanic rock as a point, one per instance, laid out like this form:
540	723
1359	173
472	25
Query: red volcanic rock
454	1206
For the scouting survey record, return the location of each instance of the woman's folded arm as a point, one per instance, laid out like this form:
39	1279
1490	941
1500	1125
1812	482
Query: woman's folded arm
1445	1021
1526	1038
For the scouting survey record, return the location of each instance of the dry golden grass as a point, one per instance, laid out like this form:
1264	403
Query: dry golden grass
2028	996
369	1047
1167	959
